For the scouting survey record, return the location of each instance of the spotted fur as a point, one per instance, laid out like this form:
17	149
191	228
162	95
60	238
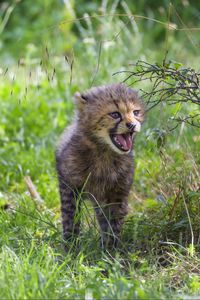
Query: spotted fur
87	158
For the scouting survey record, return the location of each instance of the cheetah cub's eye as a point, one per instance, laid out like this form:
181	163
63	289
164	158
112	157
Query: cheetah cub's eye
115	115
136	112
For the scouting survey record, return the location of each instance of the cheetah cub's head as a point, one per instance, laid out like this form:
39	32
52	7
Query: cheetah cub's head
112	114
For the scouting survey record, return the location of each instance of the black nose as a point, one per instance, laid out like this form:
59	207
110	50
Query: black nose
130	126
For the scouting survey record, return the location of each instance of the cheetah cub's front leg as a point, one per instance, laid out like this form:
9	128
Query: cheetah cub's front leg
70	209
111	219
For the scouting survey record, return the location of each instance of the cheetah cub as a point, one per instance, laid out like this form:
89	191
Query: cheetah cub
95	153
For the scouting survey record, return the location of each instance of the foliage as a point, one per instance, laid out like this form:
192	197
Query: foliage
36	25
159	254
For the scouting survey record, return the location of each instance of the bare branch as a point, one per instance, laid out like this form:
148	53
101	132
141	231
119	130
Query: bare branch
170	83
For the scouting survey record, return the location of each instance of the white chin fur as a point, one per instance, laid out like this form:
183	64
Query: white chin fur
137	127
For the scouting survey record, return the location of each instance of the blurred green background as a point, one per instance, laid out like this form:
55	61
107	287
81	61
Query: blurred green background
28	26
50	49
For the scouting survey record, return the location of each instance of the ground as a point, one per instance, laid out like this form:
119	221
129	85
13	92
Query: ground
159	254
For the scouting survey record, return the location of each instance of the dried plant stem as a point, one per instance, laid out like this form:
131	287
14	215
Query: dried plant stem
32	190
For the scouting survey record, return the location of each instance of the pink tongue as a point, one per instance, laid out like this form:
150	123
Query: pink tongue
125	140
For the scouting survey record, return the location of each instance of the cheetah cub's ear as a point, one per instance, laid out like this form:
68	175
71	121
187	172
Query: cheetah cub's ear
80	100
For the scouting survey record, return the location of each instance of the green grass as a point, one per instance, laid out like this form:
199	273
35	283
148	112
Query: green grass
159	254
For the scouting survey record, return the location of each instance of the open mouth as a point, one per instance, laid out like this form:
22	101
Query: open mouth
123	141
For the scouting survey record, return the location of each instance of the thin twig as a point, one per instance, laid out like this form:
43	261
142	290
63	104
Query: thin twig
32	190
